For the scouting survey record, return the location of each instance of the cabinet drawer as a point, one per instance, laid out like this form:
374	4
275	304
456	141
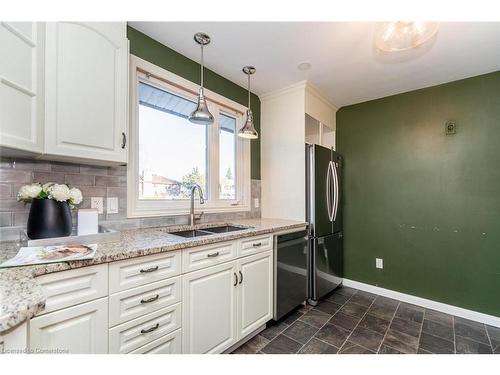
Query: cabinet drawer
136	302
255	245
141	331
168	344
143	270
69	288
205	256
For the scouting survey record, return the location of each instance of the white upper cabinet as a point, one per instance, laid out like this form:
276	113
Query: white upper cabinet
86	91
291	117
20	86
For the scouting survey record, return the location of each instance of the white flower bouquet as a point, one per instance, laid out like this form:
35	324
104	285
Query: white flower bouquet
50	190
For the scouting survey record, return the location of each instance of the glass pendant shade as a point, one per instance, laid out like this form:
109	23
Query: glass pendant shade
248	130
201	115
401	36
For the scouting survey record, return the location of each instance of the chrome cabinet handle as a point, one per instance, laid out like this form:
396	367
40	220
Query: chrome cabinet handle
124	140
148	270
235	279
241	277
150	329
257	244
213	255
149	300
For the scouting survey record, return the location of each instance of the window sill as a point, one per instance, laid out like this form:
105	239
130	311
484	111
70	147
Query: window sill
140	213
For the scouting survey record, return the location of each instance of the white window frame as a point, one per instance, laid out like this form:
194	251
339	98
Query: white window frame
162	78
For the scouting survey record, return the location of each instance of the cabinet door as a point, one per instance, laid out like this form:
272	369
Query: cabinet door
21	117
81	329
86	90
255	306
209	317
15	340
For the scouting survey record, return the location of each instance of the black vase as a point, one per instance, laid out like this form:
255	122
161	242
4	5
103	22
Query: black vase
49	218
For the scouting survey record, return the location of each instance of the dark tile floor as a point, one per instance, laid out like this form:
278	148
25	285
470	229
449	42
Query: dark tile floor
350	321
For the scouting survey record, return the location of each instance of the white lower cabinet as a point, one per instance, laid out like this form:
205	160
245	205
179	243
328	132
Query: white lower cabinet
150	307
138	332
14	340
81	329
224	303
209	320
256	292
168	344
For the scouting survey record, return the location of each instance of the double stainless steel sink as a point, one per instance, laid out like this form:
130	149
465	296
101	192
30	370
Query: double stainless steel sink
191	233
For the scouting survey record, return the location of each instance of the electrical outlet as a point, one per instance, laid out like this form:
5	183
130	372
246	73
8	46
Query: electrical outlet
112	205
97	202
256	202
379	263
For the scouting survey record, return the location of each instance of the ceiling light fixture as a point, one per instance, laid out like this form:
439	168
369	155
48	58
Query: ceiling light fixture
304	66
248	130
401	36
201	115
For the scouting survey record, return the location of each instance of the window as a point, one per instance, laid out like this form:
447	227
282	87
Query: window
227	157
168	154
172	155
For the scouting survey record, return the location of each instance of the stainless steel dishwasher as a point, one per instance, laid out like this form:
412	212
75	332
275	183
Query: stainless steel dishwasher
290	271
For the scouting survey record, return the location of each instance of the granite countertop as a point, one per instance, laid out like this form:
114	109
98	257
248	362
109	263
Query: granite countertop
21	297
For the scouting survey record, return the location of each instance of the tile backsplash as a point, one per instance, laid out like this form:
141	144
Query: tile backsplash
93	181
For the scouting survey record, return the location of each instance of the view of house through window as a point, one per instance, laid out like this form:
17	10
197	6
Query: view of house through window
172	151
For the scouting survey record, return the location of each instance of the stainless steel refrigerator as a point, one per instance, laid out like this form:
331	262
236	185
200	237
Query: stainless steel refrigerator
324	215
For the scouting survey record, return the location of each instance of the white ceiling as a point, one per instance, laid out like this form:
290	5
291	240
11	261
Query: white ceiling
345	65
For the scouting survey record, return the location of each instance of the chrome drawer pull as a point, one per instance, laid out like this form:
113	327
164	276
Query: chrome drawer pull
151	329
257	244
148	270
149	300
213	255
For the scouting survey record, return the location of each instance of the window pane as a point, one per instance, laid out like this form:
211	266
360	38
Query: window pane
172	151
227	157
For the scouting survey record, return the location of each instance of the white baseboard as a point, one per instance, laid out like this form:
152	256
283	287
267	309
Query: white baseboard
427	303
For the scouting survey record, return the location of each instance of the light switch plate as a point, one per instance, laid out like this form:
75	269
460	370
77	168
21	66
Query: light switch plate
97	202
256	202
379	263
112	205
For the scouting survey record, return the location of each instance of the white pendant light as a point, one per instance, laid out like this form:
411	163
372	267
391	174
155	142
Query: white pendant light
201	115
248	130
401	36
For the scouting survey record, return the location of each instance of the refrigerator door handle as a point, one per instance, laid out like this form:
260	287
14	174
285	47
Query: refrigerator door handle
336	190
329	191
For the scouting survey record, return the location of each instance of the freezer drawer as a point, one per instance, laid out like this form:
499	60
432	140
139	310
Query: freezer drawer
290	272
325	266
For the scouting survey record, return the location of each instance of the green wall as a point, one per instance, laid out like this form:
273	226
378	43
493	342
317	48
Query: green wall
427	203
149	49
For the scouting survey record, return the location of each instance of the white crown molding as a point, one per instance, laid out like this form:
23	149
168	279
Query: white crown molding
313	90
284	90
427	303
306	86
